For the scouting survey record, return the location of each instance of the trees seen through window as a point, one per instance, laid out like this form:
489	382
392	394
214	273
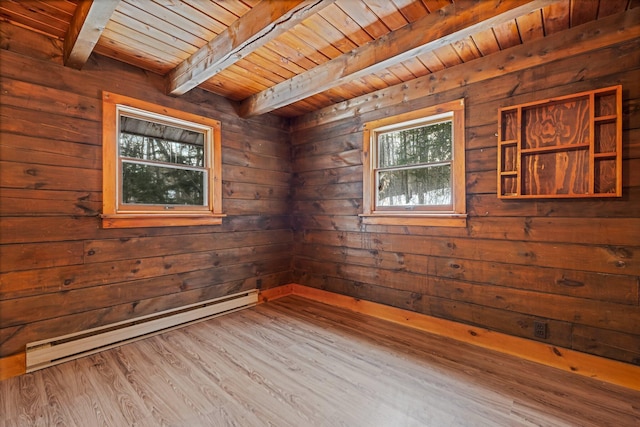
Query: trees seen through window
414	166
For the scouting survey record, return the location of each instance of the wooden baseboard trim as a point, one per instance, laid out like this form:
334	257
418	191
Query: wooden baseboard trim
267	295
600	368
596	367
13	366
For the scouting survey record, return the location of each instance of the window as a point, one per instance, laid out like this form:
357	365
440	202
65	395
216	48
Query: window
413	167
161	167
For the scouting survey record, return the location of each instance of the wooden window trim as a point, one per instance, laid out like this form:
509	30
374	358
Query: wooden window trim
114	216
456	217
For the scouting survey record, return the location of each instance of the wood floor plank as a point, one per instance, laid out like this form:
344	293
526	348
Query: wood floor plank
474	361
258	376
295	362
114	390
388	370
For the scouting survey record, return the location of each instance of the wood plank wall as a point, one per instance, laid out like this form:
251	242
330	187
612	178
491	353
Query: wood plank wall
59	271
574	264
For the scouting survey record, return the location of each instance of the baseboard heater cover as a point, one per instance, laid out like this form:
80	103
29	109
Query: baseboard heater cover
53	351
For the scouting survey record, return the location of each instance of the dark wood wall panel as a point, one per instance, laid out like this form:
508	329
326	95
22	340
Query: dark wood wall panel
574	264
60	272
598	286
50	280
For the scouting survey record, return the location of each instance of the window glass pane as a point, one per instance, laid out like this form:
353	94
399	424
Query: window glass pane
141	139
425	144
430	186
156	185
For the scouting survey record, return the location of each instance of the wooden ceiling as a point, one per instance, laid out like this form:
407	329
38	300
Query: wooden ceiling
296	56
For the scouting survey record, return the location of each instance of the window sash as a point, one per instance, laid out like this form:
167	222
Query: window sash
377	169
205	182
151	117
414	166
162	164
427	122
200	158
414	207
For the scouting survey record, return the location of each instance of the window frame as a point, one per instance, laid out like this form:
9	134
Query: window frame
456	215
116	214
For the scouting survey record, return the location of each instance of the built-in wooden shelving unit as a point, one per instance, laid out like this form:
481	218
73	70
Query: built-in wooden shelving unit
569	146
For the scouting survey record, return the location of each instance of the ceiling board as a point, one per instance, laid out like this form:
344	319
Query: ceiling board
556	17
159	35
36	15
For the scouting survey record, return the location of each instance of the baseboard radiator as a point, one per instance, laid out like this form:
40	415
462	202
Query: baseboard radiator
42	354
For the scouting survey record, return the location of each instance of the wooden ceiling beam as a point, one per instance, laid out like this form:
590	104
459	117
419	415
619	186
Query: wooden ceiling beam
264	22
87	24
572	42
445	26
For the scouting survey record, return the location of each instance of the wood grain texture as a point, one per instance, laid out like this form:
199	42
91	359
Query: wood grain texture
421	38
52	243
294	362
613	372
567	147
236	41
572	42
12	366
85	28
517	262
251	31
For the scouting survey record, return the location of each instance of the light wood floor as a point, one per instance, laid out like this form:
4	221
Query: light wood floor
293	362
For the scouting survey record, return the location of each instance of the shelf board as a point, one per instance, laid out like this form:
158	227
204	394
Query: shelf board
557	196
509	142
611	118
554	148
610	155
